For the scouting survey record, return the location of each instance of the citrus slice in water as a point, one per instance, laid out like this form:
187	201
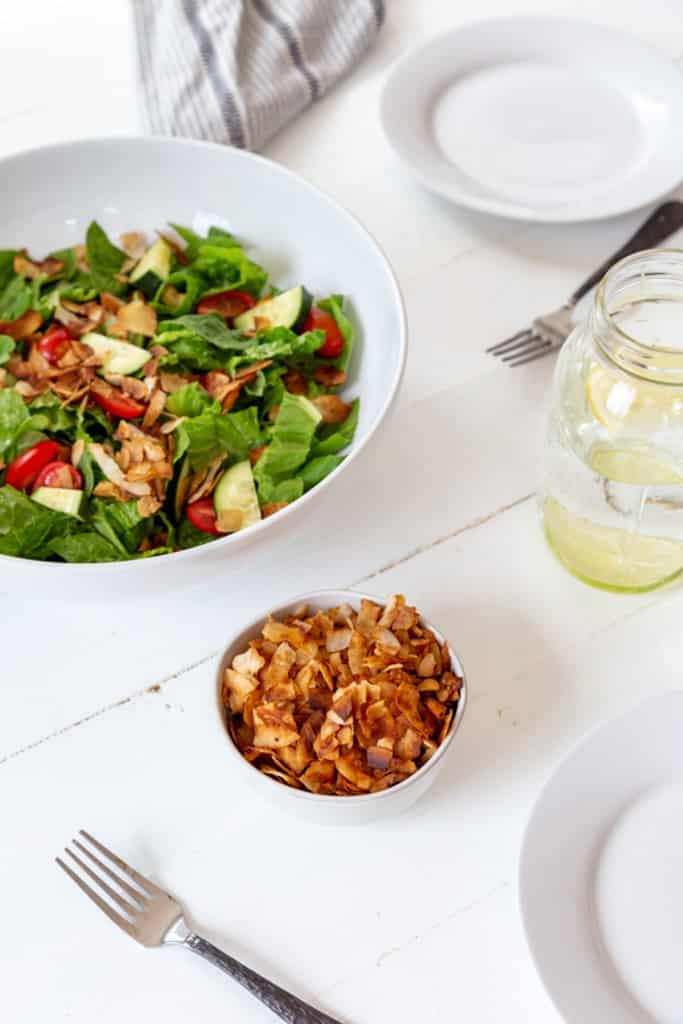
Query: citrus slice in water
610	558
619	401
630	466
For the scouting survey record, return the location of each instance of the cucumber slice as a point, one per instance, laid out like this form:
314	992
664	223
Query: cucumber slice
153	268
236	496
59	499
289	309
119	356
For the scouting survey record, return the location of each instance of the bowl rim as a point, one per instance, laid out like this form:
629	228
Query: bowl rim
321	597
85	568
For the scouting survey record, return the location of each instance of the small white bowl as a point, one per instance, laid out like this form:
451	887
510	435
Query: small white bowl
323	809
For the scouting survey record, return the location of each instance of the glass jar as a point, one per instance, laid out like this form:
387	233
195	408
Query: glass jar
612	495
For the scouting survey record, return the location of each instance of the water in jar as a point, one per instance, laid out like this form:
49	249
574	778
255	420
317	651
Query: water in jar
612	505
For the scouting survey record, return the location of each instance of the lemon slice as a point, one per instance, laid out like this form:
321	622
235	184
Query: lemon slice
628	466
235	499
610	558
616	401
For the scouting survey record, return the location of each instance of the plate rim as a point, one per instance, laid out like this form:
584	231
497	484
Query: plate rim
673	696
501	207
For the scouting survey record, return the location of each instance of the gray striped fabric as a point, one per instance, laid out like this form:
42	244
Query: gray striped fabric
236	71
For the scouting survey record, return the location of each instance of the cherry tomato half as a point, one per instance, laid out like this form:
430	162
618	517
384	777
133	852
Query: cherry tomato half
53	343
59	474
22	471
202	514
115	402
319	320
226	304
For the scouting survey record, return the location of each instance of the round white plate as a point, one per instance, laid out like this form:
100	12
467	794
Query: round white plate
601	874
537	118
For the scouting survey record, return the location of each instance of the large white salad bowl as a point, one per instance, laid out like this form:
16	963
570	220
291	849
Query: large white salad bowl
49	195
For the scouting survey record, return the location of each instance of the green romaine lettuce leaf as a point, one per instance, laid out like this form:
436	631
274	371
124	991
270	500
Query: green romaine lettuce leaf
104	259
334	438
13	418
286	490
211	435
191	400
15	299
316	470
120	523
190	537
7	347
292	438
6	267
210	327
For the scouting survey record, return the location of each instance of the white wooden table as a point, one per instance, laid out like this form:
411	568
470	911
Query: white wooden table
106	717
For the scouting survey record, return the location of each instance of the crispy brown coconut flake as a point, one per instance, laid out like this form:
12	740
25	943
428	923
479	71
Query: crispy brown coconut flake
23	327
171	382
333	702
329	376
271	507
331	408
28	268
79	318
133	244
137	317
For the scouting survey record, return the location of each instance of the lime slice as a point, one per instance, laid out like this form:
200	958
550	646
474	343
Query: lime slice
628	466
618	401
235	499
610	558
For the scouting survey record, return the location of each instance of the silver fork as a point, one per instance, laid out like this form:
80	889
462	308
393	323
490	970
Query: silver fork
550	331
152	917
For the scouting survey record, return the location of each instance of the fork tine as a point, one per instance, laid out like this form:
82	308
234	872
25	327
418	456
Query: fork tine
135	893
512	351
500	346
109	911
144	883
116	897
543	350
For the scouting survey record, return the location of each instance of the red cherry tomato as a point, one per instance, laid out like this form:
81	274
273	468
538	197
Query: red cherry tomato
202	514
22	471
115	402
319	320
59	474
54	343
226	304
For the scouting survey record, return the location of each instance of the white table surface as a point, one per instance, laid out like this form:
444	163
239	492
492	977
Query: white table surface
106	717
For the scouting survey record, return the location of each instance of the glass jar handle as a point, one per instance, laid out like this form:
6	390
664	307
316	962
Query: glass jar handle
666	219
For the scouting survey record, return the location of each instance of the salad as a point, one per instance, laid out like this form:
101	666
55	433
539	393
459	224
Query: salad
156	397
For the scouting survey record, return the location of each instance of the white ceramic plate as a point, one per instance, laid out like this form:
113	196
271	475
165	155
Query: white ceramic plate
537	118
601	874
47	198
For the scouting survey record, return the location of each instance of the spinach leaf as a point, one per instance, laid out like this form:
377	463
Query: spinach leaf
278	343
13	416
190	537
191	400
210	327
120	523
86	546
104	259
7	347
191	353
68	258
27	528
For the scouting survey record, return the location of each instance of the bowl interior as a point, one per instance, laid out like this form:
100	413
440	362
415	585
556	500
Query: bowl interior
320	601
48	197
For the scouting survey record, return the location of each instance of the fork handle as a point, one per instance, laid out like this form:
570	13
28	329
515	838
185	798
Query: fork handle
666	219
282	1003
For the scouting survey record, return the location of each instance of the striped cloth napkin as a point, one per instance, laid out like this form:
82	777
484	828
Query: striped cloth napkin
236	71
